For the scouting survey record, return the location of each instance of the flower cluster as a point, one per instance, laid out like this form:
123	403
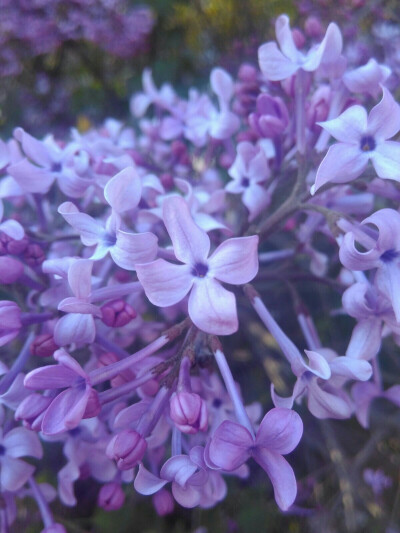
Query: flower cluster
123	251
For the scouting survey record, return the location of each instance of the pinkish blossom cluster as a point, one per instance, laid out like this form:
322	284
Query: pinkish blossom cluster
126	256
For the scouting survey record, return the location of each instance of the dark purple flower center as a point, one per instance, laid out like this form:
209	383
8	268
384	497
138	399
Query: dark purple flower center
56	167
389	255
2	450
109	239
199	270
245	182
367	143
217	403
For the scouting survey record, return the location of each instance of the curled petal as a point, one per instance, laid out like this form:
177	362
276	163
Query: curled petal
14	473
281	475
352	259
21	441
75	327
133	248
80	277
384	118
351	368
147	483
89	229
124	190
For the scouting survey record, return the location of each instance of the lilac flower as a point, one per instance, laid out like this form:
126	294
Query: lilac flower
78	325
280	431
382	253
249	170
362	138
278	64
211	307
122	193
69	407
193	483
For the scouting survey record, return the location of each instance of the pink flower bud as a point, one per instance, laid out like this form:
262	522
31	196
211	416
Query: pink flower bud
313	27
117	313
127	448
189	412
163	502
10	270
8	245
111	497
34	255
44	345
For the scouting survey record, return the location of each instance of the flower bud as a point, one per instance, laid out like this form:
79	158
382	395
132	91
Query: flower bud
188	412
34	255
10	270
127	448
111	497
10	321
44	345
117	313
8	245
163	502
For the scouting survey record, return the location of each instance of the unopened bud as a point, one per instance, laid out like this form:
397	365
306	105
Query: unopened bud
189	412
34	255
10	270
163	502
111	497
127	448
117	313
44	345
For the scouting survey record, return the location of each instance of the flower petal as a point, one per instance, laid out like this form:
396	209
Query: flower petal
14	473
147	483
164	283
133	248
235	260
386	160
20	442
281	475
384	118
349	126
191	244
89	229
342	163
66	411
273	64
230	445
212	308
124	190
280	431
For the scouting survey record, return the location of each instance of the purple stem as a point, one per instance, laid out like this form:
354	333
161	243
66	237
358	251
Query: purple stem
18	365
103	374
230	385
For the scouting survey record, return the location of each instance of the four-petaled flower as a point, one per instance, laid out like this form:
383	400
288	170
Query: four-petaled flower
211	307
